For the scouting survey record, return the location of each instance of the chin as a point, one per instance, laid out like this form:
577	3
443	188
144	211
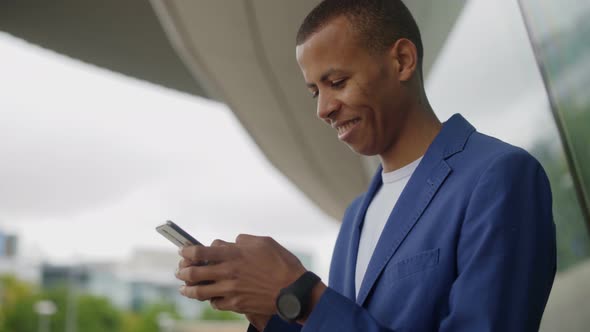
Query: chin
362	150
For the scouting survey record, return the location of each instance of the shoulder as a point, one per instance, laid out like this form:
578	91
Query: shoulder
486	155
500	171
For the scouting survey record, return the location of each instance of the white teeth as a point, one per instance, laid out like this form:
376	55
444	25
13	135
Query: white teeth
347	125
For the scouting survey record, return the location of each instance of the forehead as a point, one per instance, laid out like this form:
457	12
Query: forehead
335	44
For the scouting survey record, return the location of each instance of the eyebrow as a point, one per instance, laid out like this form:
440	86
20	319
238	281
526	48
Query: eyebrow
325	76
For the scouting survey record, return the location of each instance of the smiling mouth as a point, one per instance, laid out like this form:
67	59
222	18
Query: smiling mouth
347	126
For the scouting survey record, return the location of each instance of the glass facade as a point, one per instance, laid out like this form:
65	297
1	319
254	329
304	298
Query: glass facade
559	32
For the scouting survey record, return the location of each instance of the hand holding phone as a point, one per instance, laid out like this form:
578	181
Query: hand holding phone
180	238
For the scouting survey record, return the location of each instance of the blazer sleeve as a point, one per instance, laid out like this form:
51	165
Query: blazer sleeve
337	313
506	253
276	324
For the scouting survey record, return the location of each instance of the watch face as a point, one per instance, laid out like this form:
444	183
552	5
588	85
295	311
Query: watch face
289	306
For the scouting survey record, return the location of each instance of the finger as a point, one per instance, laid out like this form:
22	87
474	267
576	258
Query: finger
228	304
220	303
204	254
218	243
205	292
184	263
187	262
213	302
195	274
245	238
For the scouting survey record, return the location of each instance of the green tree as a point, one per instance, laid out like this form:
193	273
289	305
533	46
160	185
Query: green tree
147	319
16	305
94	313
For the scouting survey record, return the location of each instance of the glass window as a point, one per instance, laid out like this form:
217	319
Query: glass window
559	32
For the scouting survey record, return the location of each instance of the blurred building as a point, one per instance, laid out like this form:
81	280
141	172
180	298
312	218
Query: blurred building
8	245
11	261
146	278
7	253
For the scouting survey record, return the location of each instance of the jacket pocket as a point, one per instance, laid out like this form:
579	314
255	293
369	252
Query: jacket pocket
412	265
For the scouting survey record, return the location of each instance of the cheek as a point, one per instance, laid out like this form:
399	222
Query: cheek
380	125
352	99
358	93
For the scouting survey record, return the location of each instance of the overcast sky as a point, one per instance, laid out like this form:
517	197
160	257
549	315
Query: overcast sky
92	161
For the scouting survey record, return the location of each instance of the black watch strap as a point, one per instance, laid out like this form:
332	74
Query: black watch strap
301	289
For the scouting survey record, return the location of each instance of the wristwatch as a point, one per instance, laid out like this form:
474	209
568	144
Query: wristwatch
293	300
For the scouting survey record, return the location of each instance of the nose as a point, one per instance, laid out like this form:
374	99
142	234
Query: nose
327	107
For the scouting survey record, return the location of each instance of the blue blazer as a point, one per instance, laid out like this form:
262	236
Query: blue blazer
469	246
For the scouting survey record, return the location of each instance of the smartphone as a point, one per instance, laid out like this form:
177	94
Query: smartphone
177	235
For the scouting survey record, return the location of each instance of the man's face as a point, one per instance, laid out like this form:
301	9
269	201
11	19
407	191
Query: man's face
358	92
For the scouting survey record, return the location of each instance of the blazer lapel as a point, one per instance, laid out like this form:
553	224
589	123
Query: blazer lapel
418	193
408	209
350	267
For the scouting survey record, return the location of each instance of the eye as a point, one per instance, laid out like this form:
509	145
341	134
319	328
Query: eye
338	83
314	93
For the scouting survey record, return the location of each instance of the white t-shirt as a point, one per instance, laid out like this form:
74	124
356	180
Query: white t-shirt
377	214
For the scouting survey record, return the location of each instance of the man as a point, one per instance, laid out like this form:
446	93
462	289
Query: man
455	232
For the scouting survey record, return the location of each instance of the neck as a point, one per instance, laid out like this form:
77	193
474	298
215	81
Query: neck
418	132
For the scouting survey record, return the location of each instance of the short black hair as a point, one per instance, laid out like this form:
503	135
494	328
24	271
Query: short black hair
380	23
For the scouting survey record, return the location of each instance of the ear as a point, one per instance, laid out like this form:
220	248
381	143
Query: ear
404	52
